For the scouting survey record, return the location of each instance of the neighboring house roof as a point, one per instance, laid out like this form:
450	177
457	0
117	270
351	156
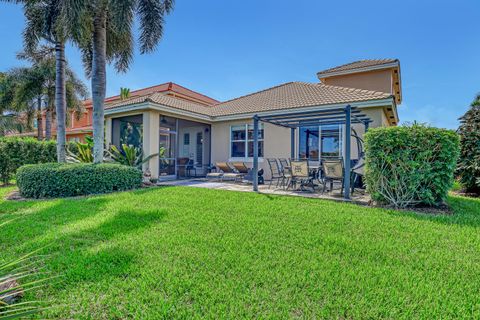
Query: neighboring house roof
285	96
359	66
164	100
164	87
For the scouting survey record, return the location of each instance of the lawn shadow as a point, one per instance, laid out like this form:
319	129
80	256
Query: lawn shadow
466	212
93	254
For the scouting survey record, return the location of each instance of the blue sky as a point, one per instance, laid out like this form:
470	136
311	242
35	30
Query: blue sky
225	49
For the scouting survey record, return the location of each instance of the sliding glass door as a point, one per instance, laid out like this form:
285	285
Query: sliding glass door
320	142
167	150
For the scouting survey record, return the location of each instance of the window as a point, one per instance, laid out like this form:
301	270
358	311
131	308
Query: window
241	138
331	141
186	139
323	141
131	133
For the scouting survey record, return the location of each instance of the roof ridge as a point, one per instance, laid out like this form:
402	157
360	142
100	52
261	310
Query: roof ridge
257	92
203	95
349	88
350	65
160	94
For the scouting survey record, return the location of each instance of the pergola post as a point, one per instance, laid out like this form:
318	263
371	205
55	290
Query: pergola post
255	153
348	126
292	143
366	123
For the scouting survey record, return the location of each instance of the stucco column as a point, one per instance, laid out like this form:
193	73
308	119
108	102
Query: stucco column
108	132
151	123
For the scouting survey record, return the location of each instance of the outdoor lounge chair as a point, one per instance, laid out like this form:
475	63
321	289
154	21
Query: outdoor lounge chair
241	167
332	171
228	172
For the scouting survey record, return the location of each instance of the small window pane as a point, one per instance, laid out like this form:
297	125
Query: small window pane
238	149
260	148
186	139
238	133
250	132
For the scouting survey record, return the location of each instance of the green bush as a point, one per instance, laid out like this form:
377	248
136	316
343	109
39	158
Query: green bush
410	165
16	152
53	180
469	163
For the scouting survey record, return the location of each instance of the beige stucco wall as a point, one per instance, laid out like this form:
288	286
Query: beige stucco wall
277	142
277	139
377	80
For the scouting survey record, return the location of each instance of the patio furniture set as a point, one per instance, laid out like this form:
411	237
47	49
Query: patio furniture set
293	174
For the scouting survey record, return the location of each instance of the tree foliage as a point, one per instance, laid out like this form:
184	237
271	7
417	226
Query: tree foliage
468	168
410	165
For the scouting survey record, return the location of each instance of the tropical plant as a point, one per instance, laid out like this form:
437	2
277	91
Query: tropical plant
468	168
124	93
131	156
10	120
17	277
83	152
103	31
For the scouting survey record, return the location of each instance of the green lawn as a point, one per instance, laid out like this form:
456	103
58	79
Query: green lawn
178	252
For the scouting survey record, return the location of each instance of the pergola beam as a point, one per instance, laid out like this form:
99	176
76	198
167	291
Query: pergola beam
307	114
345	115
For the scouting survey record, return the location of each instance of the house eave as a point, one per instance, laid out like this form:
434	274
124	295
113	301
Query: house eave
389	65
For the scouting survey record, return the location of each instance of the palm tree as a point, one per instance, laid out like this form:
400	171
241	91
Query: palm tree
103	31
30	85
45	21
10	121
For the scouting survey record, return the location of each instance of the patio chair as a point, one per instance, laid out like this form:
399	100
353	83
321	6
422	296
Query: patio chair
300	172
190	167
228	172
332	171
276	173
286	172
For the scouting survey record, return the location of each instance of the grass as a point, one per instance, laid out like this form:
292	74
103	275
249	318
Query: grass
178	252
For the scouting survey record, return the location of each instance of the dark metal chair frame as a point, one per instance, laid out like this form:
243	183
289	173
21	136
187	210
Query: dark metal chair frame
276	173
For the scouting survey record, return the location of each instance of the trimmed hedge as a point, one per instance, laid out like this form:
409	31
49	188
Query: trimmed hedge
54	180
16	152
410	165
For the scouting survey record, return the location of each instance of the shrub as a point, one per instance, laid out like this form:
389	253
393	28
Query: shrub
469	162
66	180
16	152
410	165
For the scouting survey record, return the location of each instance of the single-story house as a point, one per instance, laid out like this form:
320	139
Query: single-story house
205	131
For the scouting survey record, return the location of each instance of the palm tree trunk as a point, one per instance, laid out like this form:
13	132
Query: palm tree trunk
99	83
39	119
48	120
60	100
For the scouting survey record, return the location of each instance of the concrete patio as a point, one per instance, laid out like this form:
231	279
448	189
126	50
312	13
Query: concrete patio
358	197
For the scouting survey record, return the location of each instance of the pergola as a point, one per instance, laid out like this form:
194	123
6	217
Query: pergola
347	116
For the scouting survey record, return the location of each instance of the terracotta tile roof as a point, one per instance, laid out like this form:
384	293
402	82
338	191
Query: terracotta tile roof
164	87
357	65
285	96
294	95
162	99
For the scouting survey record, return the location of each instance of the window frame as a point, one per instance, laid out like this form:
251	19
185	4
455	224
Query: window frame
246	127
